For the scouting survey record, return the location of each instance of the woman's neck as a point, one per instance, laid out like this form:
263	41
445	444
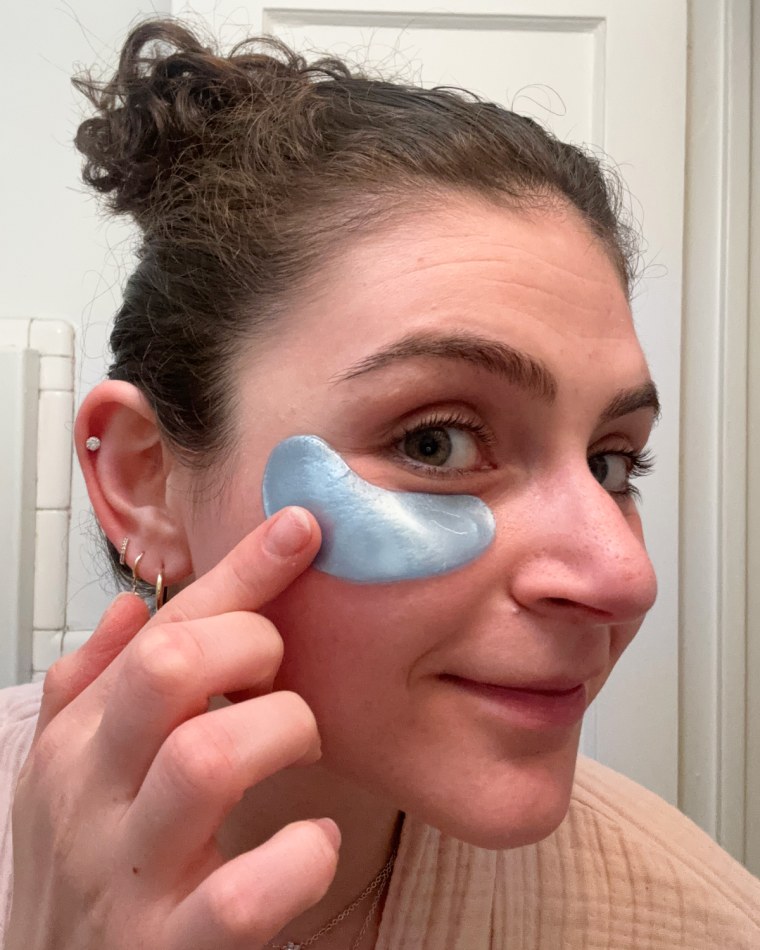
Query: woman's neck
369	829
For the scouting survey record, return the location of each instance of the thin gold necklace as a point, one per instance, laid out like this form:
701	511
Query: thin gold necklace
377	884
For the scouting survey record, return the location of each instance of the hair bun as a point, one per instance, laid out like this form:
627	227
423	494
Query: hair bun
154	116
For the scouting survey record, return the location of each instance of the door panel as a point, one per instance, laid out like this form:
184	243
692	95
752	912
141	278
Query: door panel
493	56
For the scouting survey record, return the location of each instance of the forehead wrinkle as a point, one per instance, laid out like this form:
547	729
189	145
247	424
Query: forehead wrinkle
518	256
568	301
518	263
588	295
515	297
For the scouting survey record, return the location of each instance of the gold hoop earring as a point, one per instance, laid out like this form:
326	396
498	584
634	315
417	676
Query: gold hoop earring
160	591
135	572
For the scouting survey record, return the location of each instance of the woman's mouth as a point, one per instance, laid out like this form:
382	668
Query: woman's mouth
526	708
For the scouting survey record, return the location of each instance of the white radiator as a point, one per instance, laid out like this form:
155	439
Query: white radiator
36	417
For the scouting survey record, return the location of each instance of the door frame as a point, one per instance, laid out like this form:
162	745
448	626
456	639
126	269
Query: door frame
752	837
717	745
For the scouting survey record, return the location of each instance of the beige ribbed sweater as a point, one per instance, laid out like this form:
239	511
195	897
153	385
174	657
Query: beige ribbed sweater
624	871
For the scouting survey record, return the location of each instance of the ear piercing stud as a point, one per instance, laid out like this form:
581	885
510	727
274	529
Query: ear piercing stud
92	444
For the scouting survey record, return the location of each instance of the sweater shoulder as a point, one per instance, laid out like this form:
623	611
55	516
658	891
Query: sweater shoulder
624	868
647	821
656	858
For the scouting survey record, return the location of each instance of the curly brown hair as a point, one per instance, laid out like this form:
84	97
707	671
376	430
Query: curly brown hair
248	172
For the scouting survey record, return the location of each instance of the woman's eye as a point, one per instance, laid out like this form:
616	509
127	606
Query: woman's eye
442	446
613	471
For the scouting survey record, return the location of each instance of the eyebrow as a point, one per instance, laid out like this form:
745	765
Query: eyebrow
517	367
629	400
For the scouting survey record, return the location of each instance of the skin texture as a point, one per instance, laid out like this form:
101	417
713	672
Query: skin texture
560	592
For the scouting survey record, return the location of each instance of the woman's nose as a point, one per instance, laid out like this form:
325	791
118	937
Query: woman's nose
584	556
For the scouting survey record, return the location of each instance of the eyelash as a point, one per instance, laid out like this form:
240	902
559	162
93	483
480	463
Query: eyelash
639	463
442	421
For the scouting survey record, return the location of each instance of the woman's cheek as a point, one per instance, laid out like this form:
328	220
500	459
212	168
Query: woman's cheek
347	642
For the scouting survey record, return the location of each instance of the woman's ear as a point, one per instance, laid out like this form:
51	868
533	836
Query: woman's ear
126	480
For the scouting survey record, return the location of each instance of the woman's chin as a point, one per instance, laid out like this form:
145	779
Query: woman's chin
504	829
501	838
522	805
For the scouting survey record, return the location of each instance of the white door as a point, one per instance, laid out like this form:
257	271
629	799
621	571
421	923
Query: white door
610	74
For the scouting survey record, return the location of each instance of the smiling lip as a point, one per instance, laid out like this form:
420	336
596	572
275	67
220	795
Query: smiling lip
533	708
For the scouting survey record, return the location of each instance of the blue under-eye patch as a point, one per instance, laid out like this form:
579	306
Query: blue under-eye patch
371	535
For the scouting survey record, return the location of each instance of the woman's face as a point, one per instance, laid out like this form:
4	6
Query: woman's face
544	438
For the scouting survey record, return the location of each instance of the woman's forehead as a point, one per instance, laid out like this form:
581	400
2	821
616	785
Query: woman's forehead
543	285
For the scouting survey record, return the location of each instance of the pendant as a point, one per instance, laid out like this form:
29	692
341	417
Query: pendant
292	946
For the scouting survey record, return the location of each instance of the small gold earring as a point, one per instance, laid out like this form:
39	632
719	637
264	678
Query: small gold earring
160	591
135	572
123	551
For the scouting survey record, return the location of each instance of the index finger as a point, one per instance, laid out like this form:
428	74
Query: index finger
255	571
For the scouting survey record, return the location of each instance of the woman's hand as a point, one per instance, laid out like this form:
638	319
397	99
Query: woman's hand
130	776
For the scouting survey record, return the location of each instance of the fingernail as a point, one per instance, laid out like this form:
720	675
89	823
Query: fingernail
330	829
289	534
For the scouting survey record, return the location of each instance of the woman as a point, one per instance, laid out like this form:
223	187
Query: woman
311	747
